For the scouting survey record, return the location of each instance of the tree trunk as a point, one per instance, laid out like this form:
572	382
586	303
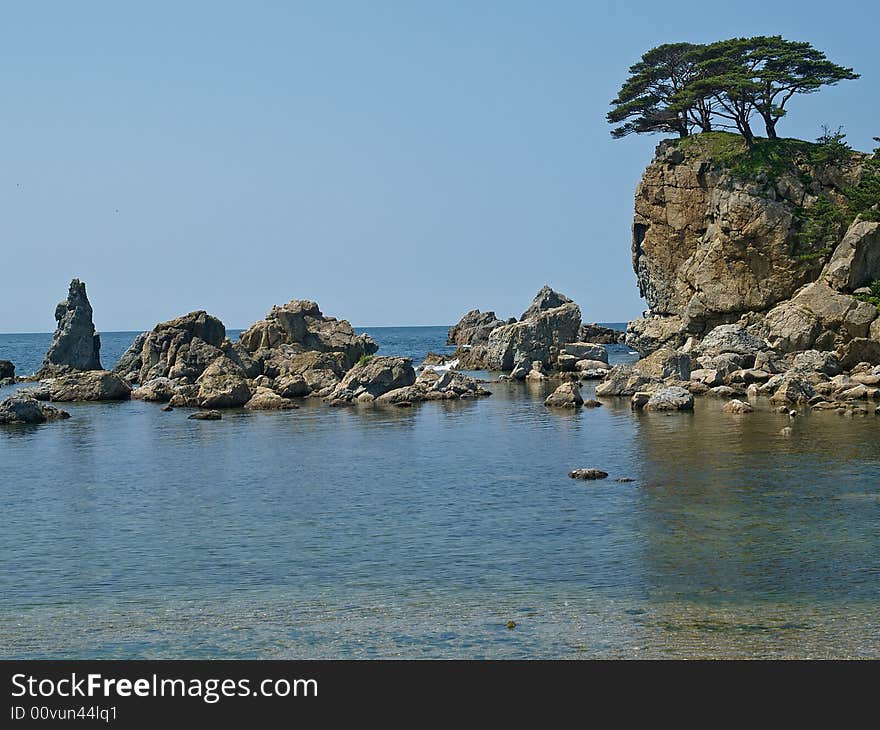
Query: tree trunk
770	124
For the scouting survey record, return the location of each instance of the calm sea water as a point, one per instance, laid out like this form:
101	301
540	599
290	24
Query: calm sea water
384	532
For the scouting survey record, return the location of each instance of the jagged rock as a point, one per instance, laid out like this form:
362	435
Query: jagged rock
737	407
300	327
222	385
592	332
710	244
180	349
265	399
7	370
90	385
856	260
537	372
651	333
666	363
75	346
673	398
796	325
546	299
22	409
473	328
567	395
376	376
625	380
537	337
858	350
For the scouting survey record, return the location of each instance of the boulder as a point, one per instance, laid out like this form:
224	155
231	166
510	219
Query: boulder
737	407
7	370
816	361
673	398
792	390
373	377
707	376
91	385
567	395
157	390
666	363
23	409
856	260
222	385
857	350
75	346
816	309
473	328
265	399
650	333
625	380
731	338
585	351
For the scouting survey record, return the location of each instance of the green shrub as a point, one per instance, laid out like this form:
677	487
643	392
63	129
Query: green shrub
874	296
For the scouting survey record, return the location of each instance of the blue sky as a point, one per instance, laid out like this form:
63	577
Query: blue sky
398	162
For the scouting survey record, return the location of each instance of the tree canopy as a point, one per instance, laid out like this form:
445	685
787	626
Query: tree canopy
682	87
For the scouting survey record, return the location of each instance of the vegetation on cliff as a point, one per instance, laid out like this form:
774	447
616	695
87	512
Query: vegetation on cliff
683	87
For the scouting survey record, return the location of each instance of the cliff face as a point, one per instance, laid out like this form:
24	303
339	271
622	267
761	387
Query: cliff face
719	231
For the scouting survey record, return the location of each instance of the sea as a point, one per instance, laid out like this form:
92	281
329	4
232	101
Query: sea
377	532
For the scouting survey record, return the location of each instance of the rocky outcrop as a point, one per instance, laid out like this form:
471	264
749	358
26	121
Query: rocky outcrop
180	349
75	345
299	326
93	385
711	243
25	409
474	328
7	370
222	385
545	299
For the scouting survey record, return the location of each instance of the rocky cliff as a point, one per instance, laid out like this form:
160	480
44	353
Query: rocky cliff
722	233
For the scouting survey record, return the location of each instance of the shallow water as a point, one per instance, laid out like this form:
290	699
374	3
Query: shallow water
385	532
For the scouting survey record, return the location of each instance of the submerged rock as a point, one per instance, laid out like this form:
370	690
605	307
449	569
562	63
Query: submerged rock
737	407
205	416
75	345
588	474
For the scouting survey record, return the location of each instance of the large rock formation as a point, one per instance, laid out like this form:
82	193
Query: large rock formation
712	242
373	377
94	385
75	345
540	336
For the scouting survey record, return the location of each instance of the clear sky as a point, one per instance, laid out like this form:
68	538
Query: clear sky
397	162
